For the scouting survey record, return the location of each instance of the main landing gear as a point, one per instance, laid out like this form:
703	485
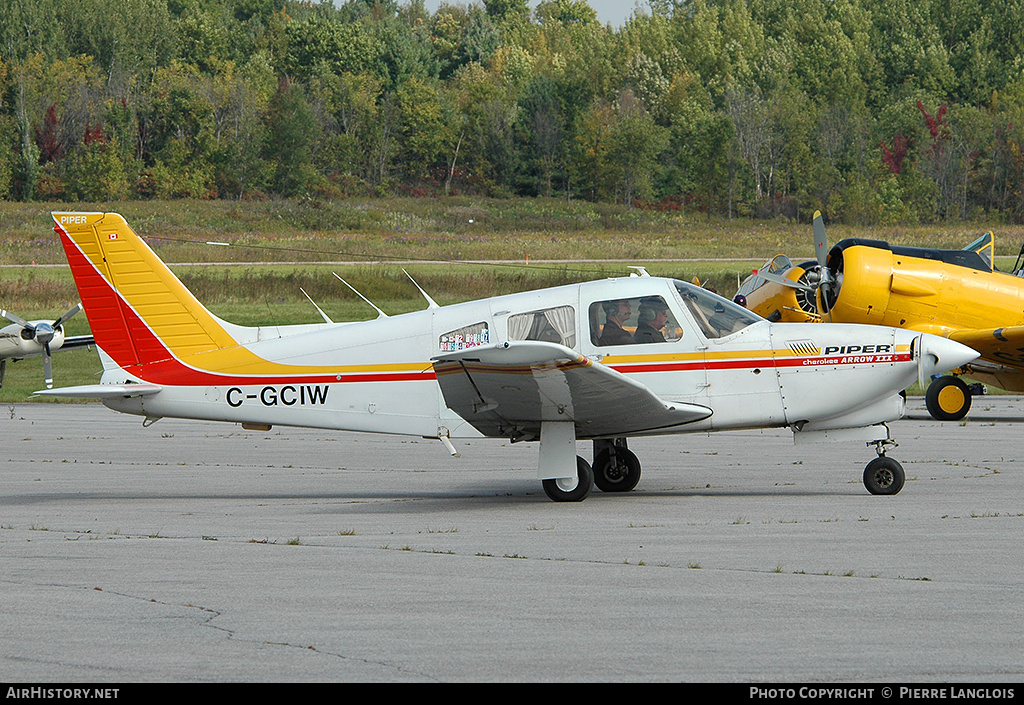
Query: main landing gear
571	489
615	469
883	475
948	398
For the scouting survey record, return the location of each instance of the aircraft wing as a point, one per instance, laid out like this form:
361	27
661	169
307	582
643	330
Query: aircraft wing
1004	346
77	341
508	389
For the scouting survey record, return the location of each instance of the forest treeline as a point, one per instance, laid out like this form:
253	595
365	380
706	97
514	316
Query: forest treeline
874	111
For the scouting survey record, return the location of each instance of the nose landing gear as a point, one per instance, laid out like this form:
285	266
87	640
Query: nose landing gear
884	475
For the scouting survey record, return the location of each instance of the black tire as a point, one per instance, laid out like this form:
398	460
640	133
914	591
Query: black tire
884	476
616	472
585	481
948	399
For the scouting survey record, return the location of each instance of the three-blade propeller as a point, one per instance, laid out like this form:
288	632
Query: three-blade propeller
812	282
42	333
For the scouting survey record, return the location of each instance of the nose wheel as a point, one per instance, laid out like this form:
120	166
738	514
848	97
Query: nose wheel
884	475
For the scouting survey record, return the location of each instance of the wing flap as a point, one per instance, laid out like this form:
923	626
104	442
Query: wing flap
509	389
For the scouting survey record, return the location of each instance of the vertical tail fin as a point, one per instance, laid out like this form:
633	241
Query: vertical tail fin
138	310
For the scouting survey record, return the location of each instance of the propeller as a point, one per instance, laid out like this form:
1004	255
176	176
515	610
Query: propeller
821	254
813	280
42	333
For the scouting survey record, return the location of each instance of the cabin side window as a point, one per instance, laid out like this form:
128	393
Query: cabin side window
645	319
551	325
464	338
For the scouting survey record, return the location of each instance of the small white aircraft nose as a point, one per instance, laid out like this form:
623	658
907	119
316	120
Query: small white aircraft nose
936	355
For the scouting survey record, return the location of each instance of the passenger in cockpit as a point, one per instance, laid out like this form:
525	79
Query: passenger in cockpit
616	313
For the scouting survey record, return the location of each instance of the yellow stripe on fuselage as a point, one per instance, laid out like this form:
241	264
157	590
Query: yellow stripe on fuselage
713	356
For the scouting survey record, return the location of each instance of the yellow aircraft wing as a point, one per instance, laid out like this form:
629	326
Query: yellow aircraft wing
1004	346
508	389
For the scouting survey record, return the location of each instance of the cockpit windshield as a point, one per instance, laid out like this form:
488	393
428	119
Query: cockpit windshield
984	246
717	317
780	264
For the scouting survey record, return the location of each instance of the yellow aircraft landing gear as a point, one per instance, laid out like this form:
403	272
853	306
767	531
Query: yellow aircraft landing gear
948	399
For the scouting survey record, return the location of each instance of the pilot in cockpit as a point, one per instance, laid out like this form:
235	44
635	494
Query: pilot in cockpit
652	316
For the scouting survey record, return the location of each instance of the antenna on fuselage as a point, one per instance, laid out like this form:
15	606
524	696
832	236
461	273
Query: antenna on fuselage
430	302
640	271
380	314
322	314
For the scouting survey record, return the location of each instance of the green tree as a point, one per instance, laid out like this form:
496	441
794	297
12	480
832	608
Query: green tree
696	164
176	120
124	37
350	48
427	131
461	35
97	173
27	28
720	42
543	121
407	48
913	55
588	159
566	12
487	125
635	143
290	134
203	38
508	11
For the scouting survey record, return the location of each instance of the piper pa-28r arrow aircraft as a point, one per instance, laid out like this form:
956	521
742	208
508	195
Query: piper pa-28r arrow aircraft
24	339
602	361
957	294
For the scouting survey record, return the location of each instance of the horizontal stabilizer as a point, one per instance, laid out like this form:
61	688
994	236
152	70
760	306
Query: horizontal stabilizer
101	391
508	389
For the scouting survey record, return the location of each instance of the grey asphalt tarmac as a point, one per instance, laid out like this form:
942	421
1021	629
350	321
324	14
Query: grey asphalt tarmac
197	552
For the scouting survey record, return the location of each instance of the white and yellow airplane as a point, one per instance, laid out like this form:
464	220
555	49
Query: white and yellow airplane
556	366
24	339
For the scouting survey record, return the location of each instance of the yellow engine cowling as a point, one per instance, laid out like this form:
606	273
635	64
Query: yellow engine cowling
860	288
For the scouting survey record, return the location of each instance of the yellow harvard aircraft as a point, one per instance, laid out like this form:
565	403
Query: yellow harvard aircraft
601	361
956	294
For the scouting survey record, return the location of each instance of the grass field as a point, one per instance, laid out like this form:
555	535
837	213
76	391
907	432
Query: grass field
457	249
